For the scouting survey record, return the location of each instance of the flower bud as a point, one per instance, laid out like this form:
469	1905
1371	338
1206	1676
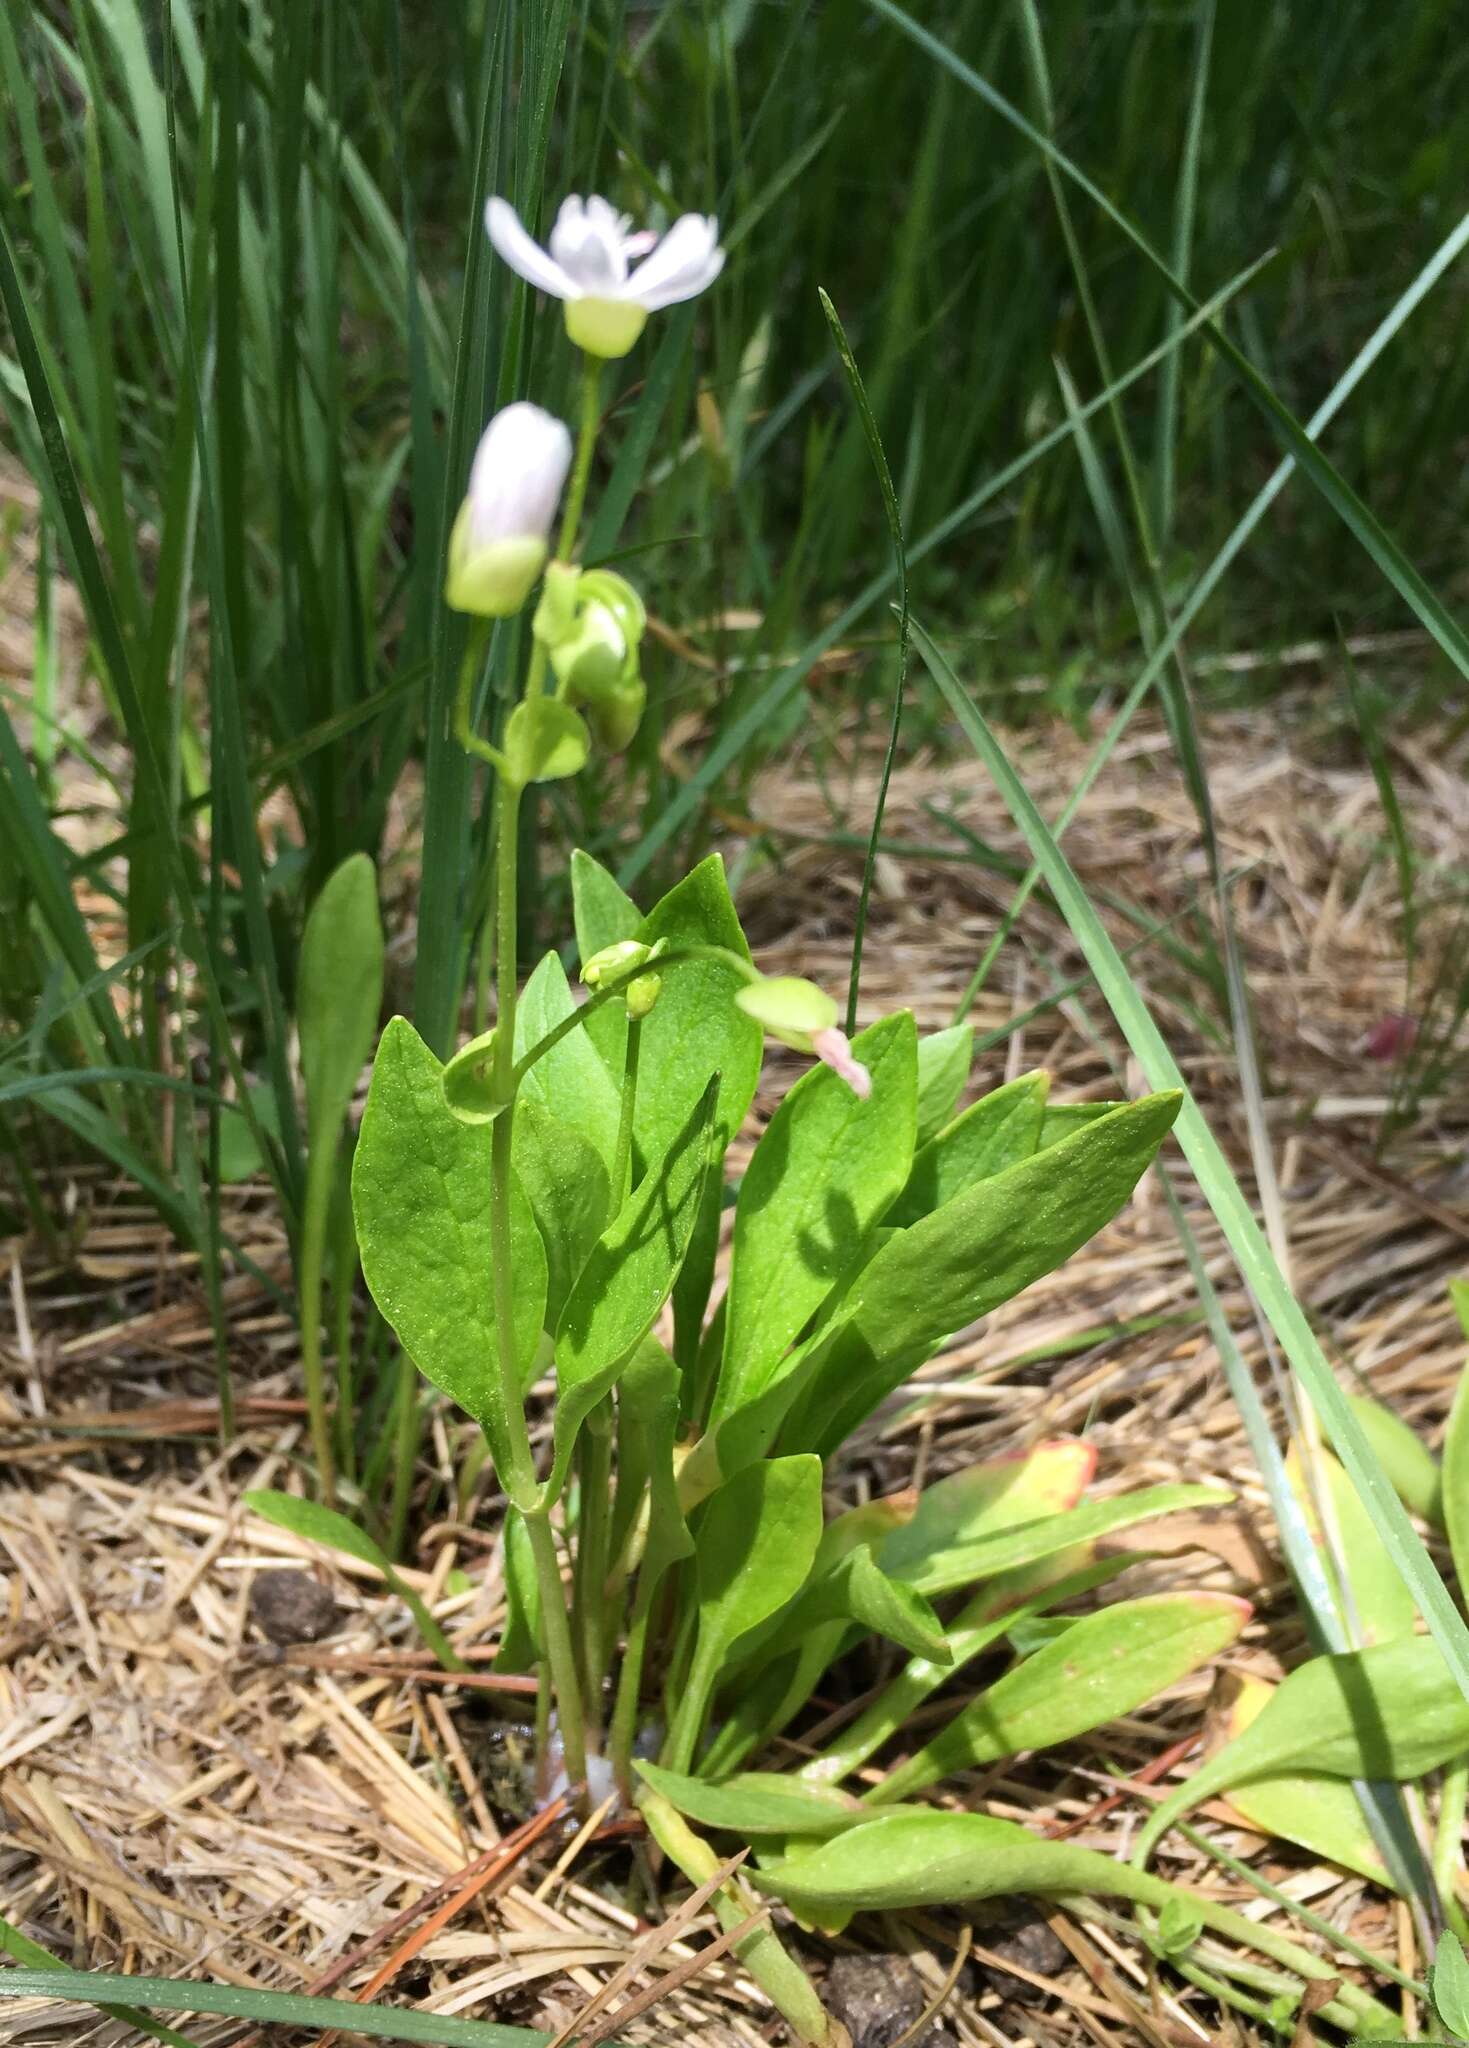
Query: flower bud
804	1016
616	719
591	623
641	994
613	961
500	539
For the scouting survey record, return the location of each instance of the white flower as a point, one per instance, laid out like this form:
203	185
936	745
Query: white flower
502	534
587	267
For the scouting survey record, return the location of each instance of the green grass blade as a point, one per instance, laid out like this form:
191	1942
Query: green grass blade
267	2008
1246	1241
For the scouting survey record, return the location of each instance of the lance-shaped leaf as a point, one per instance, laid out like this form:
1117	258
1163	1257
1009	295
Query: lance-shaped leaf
1380	1603
857	1589
571	1080
1104	1665
1390	1712
1007	1549
421	1198
565	1182
950	1268
1064	1119
340	993
1403	1456
979	1500
626	1280
996	1132
826	1167
755	1542
944	1059
759	1803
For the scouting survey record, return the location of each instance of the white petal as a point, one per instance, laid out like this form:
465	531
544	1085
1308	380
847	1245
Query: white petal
526	257
685	261
517	475
587	243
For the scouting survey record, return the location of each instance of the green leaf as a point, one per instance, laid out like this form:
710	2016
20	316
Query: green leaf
759	1803
1179	1926
1007	1549
339	994
571	1080
1106	1664
323	1525
950	1268
856	1589
626	1280
604	914
603	910
755	1542
545	740
647	1430
421	1198
1448	1984
696	1031
826	1167
1403	1456
1389	1712
1379	1601
1062	1118
944	1059
996	1132
565	1182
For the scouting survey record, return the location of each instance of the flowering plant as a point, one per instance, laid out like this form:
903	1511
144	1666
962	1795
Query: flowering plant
548	1204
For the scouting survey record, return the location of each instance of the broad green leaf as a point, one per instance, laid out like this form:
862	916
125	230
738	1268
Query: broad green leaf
826	1167
1449	1984
974	1503
323	1525
1403	1456
696	1031
1389	1712
1380	1604
996	1132
565	1182
1106	1664
943	1067
1007	1549
339	994
647	1430
759	1803
948	1269
571	1080
520	1637
421	1198
626	1280
1321	1814
545	740
754	1545
604	913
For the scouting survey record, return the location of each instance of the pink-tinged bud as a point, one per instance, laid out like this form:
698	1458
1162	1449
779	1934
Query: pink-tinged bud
1392	1036
834	1049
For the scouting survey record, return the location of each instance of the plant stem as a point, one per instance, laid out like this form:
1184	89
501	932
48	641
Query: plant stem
629	1686
776	1971
586	441
405	1453
559	1653
319	1172
594	1457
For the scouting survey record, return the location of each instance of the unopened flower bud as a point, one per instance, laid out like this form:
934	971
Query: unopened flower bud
500	539
612	962
641	995
804	1017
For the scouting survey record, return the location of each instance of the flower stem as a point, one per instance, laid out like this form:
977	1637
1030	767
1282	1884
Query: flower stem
405	1454
586	441
320	1172
622	1158
559	1652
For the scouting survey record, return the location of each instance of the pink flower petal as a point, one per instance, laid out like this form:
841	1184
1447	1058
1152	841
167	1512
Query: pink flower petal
834	1049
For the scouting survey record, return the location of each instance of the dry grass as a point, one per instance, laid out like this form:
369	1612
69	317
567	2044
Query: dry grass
178	1798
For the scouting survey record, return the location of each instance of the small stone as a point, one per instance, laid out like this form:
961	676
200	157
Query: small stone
1023	1938
292	1607
876	1998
